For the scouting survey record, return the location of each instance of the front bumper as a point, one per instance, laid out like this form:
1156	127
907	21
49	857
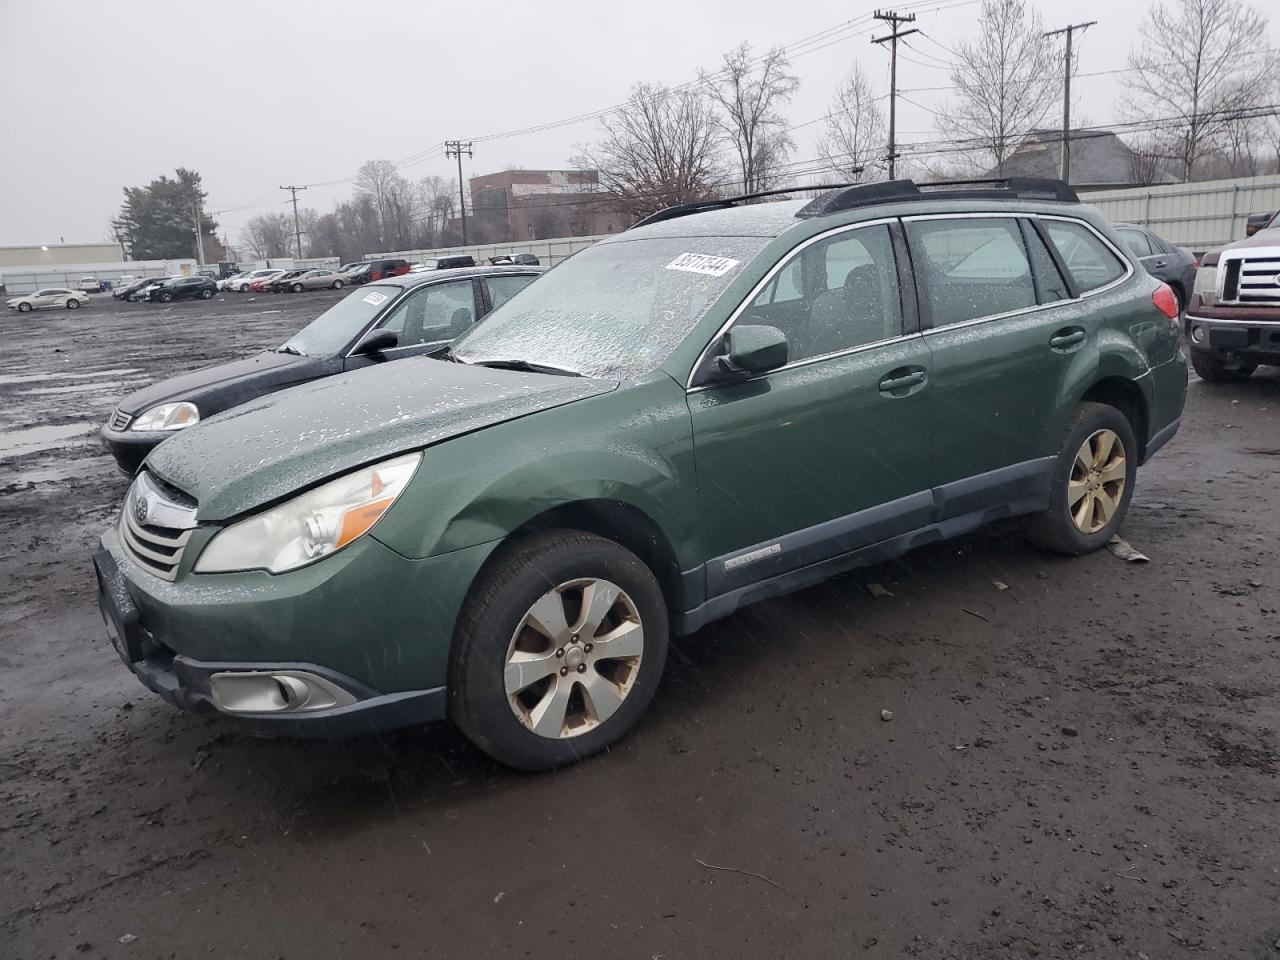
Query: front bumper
1243	334
130	447
187	683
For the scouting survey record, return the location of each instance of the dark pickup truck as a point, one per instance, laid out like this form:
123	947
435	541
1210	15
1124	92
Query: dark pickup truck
1233	319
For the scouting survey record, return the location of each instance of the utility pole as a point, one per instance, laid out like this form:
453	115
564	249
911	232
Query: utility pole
894	19
297	230
195	209
1066	97
456	148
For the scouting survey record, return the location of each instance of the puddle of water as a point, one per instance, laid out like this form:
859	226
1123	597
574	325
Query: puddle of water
6	379
57	472
84	388
20	443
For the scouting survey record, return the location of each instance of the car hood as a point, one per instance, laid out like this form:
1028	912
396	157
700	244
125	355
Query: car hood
1263	238
189	386
287	441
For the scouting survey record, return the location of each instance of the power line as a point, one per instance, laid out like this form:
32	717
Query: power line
455	148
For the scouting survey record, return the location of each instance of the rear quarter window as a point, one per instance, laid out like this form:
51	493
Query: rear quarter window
1089	260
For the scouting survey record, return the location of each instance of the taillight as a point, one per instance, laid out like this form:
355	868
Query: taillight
1165	301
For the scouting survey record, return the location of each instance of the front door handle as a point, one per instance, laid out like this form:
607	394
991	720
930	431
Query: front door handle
1161	263
1066	339
895	382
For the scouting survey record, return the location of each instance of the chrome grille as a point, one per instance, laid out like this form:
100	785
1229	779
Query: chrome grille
155	527
1252	276
119	420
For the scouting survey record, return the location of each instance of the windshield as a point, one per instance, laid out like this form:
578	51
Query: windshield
337	326
615	310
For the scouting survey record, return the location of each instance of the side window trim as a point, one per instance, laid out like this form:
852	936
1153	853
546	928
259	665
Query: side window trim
1072	287
910	301
1029	231
764	282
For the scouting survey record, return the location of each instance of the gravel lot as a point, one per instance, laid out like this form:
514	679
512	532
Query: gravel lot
1084	763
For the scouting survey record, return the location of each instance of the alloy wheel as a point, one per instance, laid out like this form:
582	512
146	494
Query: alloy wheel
1098	476
574	658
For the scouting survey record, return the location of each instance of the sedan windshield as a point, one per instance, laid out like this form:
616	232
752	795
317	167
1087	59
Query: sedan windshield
339	325
615	310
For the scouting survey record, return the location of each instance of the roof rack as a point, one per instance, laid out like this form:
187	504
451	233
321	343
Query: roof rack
698	206
1006	188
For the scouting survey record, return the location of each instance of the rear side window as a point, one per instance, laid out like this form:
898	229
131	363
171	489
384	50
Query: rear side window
1091	262
971	268
1050	287
1137	241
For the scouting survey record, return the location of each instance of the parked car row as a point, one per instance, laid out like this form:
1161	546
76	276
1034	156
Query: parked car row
727	402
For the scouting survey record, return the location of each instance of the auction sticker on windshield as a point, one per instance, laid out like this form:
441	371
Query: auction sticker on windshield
375	298
702	263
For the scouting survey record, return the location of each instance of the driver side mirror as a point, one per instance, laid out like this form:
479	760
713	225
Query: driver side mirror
752	349
375	341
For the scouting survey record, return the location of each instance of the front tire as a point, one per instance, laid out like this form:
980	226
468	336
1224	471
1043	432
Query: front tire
1211	368
24	308
297	288
337	284
206	294
166	298
1092	483
559	649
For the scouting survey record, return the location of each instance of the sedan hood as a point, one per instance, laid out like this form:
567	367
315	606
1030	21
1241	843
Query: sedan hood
189	386
287	441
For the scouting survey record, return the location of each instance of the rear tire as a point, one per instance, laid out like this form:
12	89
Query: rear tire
73	304
507	677
1208	367
1092	483
337	284
206	294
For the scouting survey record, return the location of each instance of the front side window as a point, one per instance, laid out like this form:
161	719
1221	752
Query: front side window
971	268
430	314
1091	262
616	309
836	294
340	324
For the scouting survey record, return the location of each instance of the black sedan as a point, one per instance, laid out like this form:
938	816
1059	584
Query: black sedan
1176	266
184	288
405	316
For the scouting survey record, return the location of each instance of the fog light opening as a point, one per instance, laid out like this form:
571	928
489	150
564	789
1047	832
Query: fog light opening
275	691
1197	333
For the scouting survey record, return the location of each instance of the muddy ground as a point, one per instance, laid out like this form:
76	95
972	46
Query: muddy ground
1084	763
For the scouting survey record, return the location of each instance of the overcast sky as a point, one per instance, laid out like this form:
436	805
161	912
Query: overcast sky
95	96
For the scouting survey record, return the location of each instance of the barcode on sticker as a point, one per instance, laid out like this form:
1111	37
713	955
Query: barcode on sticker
702	263
375	298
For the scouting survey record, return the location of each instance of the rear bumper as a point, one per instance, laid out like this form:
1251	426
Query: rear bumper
1242	335
187	683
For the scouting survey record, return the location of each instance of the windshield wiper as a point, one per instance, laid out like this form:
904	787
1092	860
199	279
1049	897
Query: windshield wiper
529	365
448	354
290	348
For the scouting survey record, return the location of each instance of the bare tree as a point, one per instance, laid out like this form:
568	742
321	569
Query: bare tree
854	139
269	235
1005	81
377	181
748	94
436	197
657	150
1144	160
1196	65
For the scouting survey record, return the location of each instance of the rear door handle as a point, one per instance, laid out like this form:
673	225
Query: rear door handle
1162	263
1065	339
891	383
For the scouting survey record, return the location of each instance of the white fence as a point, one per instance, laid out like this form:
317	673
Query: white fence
25	280
1196	215
548	252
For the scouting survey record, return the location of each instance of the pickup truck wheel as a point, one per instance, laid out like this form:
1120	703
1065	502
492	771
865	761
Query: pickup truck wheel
1092	483
1208	367
558	650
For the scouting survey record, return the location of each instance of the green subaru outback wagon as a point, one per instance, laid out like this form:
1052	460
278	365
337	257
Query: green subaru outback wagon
724	403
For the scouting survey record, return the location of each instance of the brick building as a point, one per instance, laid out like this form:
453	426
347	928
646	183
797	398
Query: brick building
537	204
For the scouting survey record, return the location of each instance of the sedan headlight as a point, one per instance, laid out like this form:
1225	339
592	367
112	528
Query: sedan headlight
167	416
312	525
1206	285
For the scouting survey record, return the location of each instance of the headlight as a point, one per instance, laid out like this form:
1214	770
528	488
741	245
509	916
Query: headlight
168	416
313	525
1206	285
